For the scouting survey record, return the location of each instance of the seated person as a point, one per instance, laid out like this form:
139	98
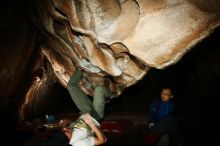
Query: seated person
84	131
161	120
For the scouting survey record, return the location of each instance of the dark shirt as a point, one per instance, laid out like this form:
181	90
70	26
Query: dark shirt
160	109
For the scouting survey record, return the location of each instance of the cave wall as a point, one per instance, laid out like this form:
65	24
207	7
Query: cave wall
26	77
17	52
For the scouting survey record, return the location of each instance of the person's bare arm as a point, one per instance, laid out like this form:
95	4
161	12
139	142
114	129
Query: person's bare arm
63	123
100	137
68	133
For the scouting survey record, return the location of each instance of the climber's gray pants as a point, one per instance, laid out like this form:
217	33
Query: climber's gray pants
83	102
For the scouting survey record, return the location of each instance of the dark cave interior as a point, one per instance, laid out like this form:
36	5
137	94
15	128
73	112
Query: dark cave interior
194	79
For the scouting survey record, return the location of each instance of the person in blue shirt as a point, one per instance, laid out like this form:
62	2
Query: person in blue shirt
161	119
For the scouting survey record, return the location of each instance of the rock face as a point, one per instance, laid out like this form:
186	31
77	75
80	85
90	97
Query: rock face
118	40
122	39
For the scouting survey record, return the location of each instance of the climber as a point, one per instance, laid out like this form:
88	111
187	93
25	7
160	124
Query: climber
162	121
81	132
84	131
96	107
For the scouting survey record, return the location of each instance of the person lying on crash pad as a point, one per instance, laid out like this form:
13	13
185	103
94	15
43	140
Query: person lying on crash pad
84	131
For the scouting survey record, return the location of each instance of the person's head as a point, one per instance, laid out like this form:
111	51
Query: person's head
64	123
166	94
64	127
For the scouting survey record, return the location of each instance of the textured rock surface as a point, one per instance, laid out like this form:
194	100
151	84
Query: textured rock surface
121	38
117	39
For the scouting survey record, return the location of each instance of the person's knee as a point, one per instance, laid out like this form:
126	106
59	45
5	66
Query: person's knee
70	85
